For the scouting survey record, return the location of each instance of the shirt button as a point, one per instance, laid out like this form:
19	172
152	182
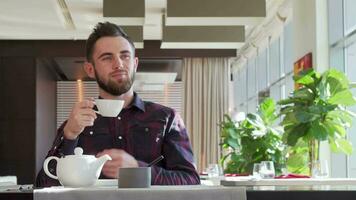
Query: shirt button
91	132
147	129
120	137
55	147
62	138
119	118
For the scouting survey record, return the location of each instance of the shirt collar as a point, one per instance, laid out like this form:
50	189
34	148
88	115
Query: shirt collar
137	102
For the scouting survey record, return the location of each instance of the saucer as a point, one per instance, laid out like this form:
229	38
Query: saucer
106	183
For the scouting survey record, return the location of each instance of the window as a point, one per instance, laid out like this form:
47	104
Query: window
268	74
342	43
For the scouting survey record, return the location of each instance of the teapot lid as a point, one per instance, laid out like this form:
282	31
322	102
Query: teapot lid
78	151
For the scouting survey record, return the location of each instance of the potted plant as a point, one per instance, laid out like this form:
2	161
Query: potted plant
316	111
251	140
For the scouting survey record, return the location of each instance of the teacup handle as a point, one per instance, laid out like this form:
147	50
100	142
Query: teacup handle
45	166
96	111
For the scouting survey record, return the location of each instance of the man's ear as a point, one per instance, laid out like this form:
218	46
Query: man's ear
89	69
136	63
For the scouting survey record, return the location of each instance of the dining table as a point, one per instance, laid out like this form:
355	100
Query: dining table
191	192
279	192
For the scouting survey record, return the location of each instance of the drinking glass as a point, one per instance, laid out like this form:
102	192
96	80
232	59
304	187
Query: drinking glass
320	169
267	170
213	170
256	170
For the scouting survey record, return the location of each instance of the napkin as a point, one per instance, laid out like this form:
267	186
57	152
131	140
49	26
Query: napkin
291	176
233	175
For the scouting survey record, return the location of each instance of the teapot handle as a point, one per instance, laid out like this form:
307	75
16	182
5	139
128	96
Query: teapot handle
45	166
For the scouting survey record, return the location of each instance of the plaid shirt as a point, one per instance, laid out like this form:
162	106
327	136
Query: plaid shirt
145	130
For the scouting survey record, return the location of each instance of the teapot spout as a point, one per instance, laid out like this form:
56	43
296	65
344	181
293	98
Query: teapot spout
98	164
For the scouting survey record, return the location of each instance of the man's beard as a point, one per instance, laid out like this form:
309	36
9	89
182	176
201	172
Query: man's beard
115	88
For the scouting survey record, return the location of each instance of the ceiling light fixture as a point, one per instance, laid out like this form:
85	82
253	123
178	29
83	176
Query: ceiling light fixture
64	14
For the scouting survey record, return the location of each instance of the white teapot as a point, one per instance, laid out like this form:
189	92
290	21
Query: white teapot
77	170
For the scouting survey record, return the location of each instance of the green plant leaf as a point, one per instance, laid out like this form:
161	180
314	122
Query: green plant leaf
333	81
321	109
255	120
290	100
304	93
337	80
318	131
233	143
335	129
232	132
343	146
286	109
295	133
235	157
333	146
289	119
343	97
324	90
342	117
303	116
305	77
267	110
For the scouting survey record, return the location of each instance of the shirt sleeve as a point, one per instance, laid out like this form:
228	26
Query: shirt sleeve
60	147
178	163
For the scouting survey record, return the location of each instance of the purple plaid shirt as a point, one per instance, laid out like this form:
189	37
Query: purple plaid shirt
145	130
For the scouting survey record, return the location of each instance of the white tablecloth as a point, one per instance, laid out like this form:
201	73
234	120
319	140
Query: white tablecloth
247	181
153	193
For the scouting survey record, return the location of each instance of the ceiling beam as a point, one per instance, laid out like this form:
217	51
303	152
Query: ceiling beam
203	37
213	12
124	8
130	12
136	35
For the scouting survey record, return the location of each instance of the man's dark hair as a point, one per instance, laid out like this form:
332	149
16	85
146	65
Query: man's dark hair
105	29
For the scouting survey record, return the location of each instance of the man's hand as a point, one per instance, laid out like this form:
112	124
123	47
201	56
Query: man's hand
120	158
82	115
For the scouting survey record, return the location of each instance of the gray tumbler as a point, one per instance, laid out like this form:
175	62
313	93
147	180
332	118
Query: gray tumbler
135	177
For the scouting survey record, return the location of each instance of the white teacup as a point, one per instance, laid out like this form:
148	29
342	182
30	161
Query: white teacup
109	107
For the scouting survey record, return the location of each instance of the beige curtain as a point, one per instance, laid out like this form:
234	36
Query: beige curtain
205	100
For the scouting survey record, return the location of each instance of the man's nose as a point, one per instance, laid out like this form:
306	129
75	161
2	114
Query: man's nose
118	63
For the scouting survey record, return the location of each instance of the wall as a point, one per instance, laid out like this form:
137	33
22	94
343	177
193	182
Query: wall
311	31
17	119
46	87
304	27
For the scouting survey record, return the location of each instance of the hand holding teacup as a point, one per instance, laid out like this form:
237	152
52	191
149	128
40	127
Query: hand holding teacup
82	115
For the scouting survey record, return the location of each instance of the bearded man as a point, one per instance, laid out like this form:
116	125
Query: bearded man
141	132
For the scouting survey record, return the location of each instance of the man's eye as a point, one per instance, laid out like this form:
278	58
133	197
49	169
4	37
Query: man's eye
125	57
107	58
